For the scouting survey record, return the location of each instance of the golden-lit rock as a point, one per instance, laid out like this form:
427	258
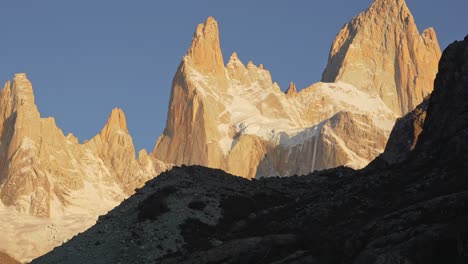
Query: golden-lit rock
382	52
51	186
241	121
41	166
114	146
292	90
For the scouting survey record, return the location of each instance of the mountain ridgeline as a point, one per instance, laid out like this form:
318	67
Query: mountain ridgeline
231	116
53	183
410	210
42	168
234	117
382	52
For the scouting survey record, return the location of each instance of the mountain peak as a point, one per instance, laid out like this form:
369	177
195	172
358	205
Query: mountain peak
234	61
20	76
397	9
22	87
205	51
117	121
381	52
18	96
291	89
208	29
388	5
398	3
116	125
234	58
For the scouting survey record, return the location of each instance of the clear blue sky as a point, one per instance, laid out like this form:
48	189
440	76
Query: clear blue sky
86	57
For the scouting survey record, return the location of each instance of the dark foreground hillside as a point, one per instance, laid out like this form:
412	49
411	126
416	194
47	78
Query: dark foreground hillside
411	211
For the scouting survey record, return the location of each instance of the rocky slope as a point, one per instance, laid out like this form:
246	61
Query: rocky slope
405	134
386	57
45	174
221	114
408	211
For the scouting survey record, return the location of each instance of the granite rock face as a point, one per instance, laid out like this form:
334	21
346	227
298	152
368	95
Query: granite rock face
48	179
382	52
220	114
405	134
41	167
412	210
114	146
380	68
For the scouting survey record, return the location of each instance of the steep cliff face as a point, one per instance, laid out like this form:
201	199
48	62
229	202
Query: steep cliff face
216	119
382	53
380	68
437	126
190	124
114	146
405	134
42	167
209	104
445	125
346	138
25	139
45	174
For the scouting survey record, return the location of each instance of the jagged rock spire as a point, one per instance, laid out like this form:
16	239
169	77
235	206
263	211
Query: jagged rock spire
381	52
116	123
291	89
205	53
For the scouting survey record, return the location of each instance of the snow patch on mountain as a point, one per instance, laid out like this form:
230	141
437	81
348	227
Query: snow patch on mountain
252	109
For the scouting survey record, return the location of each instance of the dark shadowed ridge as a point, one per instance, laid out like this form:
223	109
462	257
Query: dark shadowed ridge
413	210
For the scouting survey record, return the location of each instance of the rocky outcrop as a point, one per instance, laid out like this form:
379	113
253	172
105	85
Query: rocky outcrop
40	164
114	146
380	66
205	51
446	120
327	148
447	113
292	90
217	117
23	176
256	147
190	124
382	52
200	127
412	211
405	134
45	174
